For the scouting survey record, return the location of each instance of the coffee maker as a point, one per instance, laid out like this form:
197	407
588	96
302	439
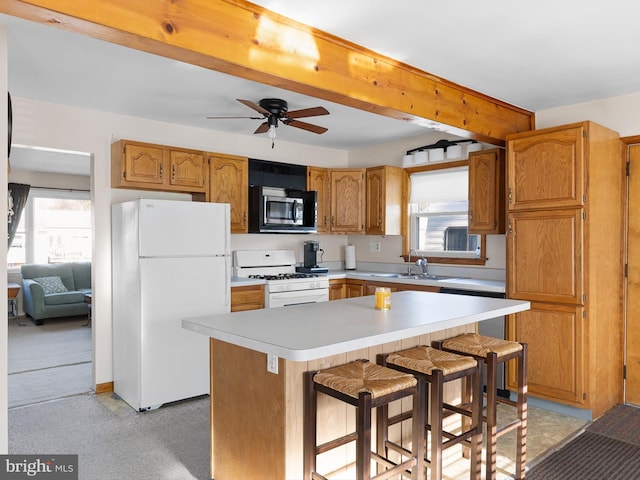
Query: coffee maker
310	265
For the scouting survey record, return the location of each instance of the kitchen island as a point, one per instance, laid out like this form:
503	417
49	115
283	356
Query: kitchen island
258	357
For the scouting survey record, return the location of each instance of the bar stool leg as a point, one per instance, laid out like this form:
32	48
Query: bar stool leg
521	433
363	442
436	387
476	422
492	414
309	426
419	439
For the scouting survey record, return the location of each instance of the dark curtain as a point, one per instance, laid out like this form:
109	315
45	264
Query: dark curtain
18	193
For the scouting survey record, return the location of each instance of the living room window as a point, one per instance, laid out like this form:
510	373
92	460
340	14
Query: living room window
438	212
55	227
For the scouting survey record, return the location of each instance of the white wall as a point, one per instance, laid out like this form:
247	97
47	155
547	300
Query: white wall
617	113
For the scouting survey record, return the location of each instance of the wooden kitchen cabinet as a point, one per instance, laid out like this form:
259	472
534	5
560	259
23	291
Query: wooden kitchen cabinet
337	289
148	166
546	256
370	287
384	198
347	200
548	170
559	373
486	192
565	254
229	183
247	297
354	288
318	180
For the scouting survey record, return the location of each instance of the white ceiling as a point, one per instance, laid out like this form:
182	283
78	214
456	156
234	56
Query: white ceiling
536	55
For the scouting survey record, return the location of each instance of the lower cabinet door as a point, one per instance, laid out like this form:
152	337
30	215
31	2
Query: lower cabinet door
555	335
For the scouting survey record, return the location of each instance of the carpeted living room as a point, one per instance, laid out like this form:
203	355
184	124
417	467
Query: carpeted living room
49	361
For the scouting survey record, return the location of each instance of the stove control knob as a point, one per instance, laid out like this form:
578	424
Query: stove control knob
288	287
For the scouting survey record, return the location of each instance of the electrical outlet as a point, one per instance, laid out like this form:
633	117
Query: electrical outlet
374	246
272	363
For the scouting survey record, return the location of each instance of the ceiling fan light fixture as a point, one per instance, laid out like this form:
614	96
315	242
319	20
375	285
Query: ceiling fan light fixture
272	132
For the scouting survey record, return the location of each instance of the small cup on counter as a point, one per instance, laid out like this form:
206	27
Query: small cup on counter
383	298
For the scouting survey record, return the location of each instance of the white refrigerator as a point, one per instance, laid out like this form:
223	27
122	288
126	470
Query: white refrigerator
170	261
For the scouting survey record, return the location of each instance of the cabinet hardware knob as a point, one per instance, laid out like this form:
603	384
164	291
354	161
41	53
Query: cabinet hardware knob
161	170
173	172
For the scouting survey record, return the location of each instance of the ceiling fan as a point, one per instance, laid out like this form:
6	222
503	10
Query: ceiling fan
274	110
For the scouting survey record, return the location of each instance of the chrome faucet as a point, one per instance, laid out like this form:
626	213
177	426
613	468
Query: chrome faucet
422	262
409	265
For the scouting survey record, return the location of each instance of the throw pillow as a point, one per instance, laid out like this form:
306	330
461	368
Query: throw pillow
51	284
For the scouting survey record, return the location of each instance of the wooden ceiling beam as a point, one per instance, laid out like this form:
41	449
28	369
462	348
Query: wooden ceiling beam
242	39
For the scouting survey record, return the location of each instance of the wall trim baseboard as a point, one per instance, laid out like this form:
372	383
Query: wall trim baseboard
104	387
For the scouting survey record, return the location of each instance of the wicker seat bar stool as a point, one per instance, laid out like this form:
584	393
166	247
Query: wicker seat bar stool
436	368
491	352
364	385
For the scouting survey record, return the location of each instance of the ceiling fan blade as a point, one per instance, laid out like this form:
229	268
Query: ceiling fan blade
264	127
251	118
306	126
255	106
308	112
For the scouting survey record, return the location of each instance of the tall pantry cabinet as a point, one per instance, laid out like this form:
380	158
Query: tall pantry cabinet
565	254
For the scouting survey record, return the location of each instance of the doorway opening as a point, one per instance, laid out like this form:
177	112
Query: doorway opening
50	357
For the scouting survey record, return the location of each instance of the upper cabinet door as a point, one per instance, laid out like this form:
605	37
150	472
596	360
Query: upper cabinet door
347	200
143	164
384	200
229	183
318	180
375	204
187	170
546	170
486	192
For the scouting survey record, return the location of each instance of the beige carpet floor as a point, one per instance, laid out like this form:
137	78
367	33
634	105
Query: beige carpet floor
49	361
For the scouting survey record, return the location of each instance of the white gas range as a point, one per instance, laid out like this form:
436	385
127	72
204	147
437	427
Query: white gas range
284	286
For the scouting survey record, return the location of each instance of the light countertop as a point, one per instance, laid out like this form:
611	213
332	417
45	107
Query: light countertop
312	331
459	283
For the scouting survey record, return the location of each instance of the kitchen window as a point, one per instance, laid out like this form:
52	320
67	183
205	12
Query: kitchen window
438	212
55	227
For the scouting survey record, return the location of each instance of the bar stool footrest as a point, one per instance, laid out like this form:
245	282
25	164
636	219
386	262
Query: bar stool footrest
336	442
395	470
508	427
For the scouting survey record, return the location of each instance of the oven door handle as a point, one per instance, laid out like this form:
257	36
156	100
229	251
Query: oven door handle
297	297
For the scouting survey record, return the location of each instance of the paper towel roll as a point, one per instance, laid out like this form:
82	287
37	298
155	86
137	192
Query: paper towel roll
350	257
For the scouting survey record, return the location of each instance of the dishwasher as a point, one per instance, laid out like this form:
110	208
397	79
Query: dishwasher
493	327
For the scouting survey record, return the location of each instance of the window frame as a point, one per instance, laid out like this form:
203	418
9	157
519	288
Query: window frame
29	218
449	259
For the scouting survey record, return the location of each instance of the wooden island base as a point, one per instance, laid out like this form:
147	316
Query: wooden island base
256	416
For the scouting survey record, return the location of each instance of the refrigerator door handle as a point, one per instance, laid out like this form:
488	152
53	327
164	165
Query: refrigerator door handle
227	281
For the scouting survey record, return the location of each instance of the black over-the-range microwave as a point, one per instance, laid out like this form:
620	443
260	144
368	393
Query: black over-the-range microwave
282	210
